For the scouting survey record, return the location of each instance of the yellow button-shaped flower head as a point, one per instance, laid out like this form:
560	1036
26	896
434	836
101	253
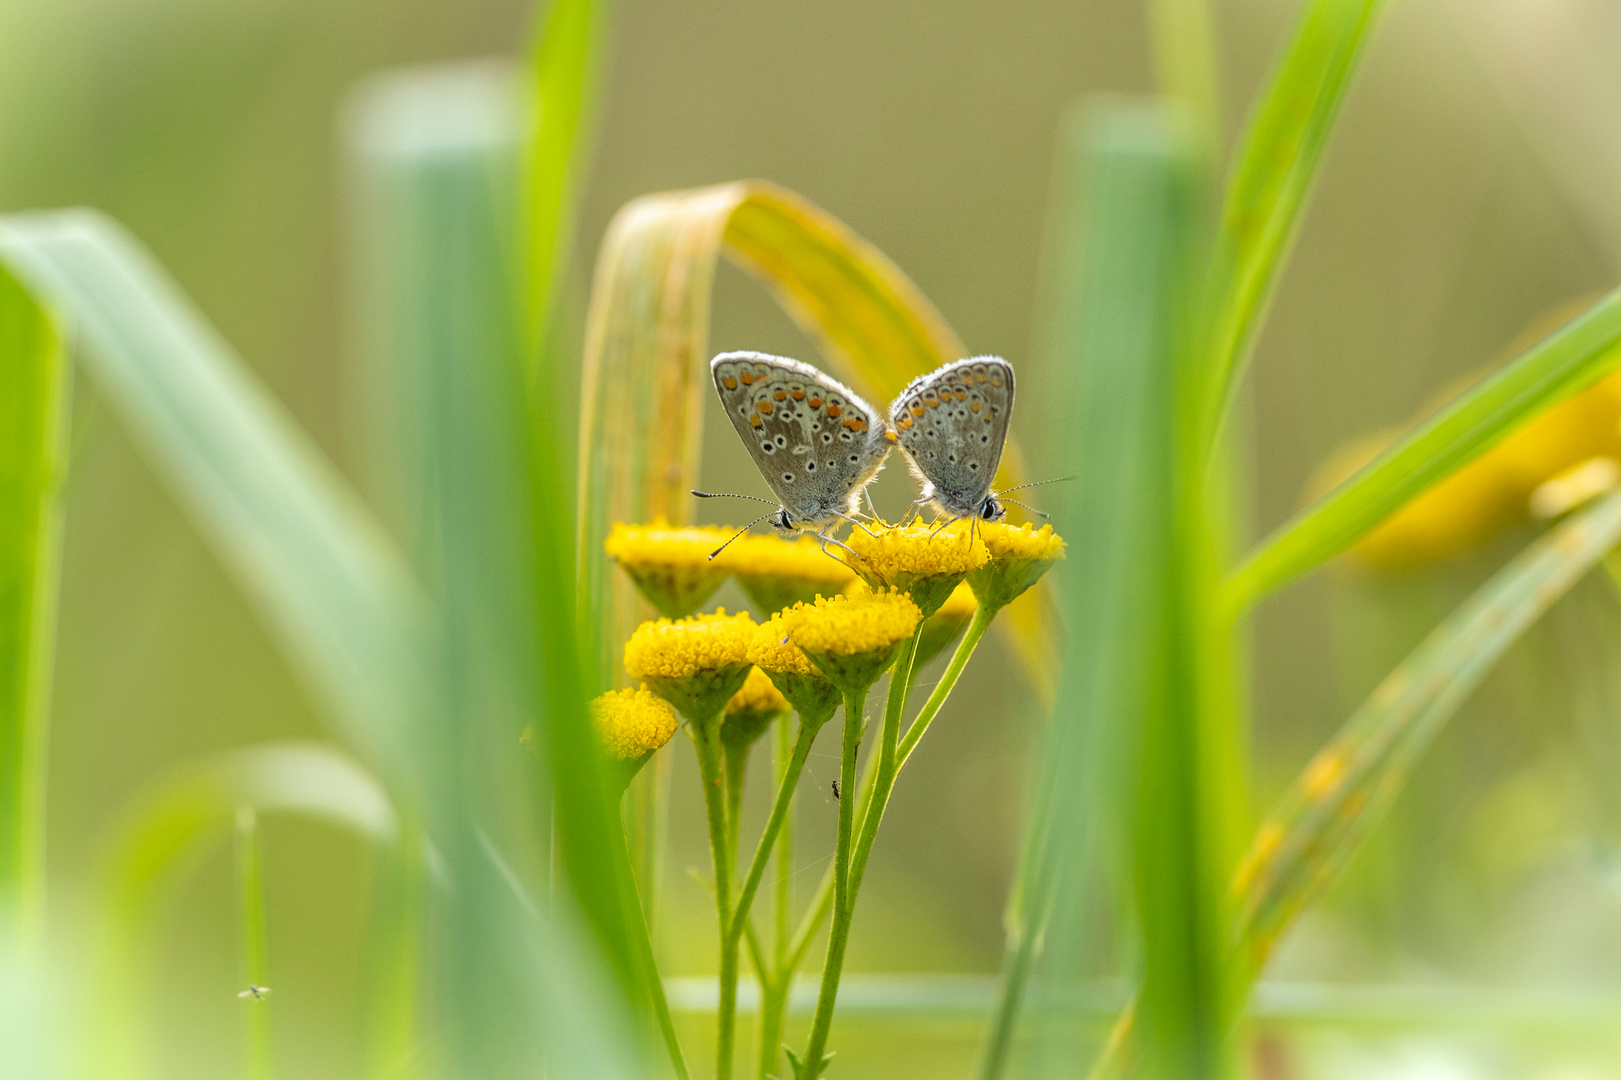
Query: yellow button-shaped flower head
631	724
921	560
1019	556
810	693
942	628
852	640
695	664
779	573
670	566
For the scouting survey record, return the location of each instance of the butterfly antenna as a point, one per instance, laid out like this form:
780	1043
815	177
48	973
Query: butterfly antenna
1015	502
1038	483
735	535
730	495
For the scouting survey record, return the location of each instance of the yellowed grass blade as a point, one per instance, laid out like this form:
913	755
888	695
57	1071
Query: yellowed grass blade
646	360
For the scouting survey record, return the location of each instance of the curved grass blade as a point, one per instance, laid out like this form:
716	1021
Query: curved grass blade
333	589
645	362
1339	797
1568	360
34	382
1276	167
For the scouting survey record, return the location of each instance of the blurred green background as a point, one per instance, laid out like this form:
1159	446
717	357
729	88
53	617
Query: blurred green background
1463	195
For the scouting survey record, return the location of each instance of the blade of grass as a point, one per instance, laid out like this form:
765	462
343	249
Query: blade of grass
562	79
1135	703
646	361
1318	826
1568	360
331	587
34	382
442	158
1277	164
1185	63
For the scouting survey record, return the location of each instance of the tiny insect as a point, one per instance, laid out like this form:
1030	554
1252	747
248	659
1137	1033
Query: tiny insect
835	789
258	993
816	443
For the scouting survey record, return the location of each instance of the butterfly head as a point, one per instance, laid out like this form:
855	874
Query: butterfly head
992	510
782	522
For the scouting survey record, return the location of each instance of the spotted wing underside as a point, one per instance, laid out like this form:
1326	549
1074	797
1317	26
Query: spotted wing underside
952	423
815	441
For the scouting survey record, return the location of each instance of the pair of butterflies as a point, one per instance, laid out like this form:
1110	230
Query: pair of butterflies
819	445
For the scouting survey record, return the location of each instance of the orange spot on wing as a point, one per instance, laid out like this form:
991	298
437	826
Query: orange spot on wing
890	435
855	424
781	395
754	421
833	412
765	407
815	402
729	382
933	403
916	410
799	395
748	378
975	407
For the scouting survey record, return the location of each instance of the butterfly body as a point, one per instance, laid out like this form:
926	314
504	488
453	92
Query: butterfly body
952	424
815	441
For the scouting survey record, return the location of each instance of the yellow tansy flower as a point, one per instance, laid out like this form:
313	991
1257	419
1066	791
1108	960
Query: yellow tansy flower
853	639
1019	556
695	664
792	673
759	697
670	566
778	573
942	628
919	559
631	724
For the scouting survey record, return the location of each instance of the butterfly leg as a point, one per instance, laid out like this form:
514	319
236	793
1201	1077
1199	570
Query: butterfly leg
859	525
914	510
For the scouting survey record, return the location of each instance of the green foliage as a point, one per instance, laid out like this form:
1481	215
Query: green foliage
1566	361
33	394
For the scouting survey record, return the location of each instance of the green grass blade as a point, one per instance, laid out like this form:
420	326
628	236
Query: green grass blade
562	73
1185	62
255	974
331	587
1276	166
34	380
1133	702
440	173
1319	824
1571	358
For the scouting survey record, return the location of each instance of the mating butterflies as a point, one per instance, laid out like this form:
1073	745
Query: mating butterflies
817	444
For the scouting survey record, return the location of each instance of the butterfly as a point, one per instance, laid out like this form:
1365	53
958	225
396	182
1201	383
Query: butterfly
952	424
815	441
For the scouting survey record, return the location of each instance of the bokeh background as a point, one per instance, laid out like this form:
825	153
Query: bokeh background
1469	188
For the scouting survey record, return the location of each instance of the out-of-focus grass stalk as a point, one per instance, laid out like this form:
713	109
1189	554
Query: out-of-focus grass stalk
255	946
1273	175
34	380
1186	67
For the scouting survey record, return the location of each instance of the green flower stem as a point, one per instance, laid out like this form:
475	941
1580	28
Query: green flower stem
773	1015
735	764
643	945
711	768
779	814
942	689
774	991
838	937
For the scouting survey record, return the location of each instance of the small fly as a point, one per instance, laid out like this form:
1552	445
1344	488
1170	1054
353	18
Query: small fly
257	993
835	789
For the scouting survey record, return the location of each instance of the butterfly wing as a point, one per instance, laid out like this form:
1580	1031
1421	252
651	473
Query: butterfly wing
813	439
952	424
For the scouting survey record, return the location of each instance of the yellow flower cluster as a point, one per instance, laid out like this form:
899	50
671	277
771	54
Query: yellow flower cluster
759	696
1021	541
801	559
632	723
960	604
846	626
918	550
771	650
671	566
683	648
